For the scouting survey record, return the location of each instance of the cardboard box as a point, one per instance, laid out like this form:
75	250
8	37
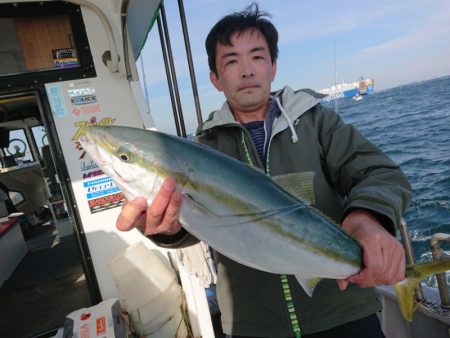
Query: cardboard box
103	320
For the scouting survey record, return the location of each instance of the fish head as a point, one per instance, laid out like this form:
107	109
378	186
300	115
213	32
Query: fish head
120	160
94	143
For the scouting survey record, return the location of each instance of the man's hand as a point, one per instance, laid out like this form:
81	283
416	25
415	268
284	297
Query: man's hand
383	255
161	217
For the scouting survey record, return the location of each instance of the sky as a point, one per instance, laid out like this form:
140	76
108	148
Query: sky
393	42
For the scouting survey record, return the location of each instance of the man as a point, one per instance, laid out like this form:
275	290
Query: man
287	132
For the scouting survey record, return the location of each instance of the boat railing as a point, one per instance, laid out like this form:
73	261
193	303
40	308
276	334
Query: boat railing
429	305
437	254
410	256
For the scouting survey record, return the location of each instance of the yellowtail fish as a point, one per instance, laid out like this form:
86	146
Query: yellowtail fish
262	222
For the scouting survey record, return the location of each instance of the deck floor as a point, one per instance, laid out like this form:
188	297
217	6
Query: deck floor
47	285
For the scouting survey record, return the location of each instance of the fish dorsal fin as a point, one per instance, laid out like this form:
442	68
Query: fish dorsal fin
300	185
308	284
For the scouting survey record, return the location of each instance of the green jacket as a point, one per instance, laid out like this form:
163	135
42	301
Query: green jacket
350	173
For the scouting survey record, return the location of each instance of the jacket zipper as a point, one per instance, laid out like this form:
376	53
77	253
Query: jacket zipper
283	278
248	156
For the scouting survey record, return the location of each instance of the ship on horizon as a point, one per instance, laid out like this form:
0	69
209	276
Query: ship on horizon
348	90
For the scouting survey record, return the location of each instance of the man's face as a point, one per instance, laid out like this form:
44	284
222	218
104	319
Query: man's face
244	71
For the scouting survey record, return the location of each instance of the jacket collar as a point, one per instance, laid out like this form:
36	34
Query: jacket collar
295	104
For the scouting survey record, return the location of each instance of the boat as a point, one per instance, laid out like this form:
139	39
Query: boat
348	90
67	65
357	97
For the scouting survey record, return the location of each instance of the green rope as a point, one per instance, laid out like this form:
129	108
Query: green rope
284	279
290	306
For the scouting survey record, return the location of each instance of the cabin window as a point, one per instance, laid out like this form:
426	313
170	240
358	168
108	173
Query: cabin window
17	150
43	42
40	137
16	197
37	43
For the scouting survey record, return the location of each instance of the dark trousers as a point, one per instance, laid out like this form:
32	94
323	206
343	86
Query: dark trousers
368	327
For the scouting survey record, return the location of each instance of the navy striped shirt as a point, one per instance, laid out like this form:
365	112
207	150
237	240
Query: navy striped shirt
260	130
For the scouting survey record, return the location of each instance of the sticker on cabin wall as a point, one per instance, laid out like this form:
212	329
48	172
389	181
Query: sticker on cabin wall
79	147
81	96
88	109
100	187
106	202
81	125
56	100
92	174
102	194
65	58
88	165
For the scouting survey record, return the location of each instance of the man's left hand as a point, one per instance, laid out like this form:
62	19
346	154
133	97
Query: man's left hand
383	254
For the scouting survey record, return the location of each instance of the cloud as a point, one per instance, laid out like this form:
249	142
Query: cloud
334	20
392	41
419	39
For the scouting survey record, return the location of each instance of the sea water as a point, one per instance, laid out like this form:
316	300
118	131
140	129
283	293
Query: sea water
411	124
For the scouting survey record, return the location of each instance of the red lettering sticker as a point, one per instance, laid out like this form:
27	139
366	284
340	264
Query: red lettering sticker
101	326
84	331
85	316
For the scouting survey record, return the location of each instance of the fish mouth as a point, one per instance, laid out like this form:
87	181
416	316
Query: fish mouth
119	176
94	151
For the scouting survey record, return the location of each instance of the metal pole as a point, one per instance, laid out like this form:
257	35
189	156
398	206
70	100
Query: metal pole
172	66
187	45
126	54
33	146
169	77
441	278
69	198
410	255
144	80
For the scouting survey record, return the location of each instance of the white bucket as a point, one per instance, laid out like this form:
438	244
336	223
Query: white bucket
149	291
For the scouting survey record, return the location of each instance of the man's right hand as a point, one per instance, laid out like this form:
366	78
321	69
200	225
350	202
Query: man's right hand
160	217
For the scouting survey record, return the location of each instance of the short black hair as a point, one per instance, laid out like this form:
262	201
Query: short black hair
250	18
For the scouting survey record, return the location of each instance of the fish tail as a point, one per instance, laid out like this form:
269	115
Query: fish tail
414	275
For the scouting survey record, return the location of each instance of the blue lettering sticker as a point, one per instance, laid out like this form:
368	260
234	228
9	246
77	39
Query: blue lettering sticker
102	180
56	100
100	187
96	194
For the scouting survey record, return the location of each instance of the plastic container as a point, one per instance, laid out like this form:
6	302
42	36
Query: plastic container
149	291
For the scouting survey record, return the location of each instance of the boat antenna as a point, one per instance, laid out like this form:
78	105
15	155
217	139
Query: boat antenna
335	76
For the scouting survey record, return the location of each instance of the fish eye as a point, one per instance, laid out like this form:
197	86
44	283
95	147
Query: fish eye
124	154
124	157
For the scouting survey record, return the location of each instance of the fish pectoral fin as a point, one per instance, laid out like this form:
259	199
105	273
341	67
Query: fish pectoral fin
308	284
300	185
414	275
